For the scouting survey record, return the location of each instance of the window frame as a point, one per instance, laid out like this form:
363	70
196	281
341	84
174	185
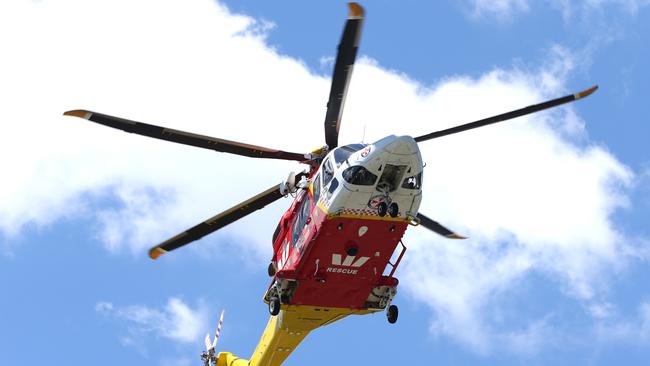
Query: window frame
354	171
300	218
328	179
316	187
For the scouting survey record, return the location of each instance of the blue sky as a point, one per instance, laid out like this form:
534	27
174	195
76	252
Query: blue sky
556	205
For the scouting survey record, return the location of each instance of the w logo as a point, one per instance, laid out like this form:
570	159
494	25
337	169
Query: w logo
284	259
349	261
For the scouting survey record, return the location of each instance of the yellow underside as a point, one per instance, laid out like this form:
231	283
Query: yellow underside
331	215
368	217
285	331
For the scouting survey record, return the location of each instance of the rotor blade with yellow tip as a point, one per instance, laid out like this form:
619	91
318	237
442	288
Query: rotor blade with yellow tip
186	138
345	57
217	222
437	228
509	115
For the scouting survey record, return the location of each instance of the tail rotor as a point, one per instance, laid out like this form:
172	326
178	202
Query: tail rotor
209	356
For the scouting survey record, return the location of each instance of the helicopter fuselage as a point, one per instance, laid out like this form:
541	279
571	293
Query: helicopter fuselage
335	243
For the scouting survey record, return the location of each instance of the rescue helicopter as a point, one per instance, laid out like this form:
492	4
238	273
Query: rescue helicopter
333	247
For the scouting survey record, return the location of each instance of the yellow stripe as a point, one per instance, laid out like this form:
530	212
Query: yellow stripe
366	217
321	206
586	92
78	113
356	11
317	151
156	252
456	236
359	216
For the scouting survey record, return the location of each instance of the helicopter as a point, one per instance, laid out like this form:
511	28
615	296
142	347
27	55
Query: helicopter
337	247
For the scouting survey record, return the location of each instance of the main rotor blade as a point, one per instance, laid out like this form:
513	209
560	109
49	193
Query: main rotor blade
509	115
437	228
186	138
217	222
347	53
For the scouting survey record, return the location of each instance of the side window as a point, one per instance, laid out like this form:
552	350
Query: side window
316	188
300	219
333	186
391	177
414	182
328	172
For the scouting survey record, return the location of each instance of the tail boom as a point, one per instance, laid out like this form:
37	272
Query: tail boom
285	331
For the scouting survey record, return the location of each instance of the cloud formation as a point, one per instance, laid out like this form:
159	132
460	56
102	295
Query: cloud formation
615	328
499	9
535	195
176	321
506	10
534	198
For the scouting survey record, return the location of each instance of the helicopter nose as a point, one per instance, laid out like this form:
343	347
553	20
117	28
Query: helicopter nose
403	145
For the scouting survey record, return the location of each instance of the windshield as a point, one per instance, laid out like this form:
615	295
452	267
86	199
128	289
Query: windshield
344	152
359	175
391	177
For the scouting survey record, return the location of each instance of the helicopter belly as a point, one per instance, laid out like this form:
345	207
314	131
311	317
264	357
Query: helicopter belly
346	261
353	202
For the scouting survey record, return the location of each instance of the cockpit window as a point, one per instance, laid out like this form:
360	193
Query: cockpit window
344	152
300	220
328	172
276	232
359	175
414	182
390	177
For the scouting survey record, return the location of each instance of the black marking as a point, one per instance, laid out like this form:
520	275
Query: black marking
192	139
500	118
346	55
436	227
217	222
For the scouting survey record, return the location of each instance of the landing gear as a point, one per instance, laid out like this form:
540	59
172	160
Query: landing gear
274	306
271	269
279	292
391	313
382	208
393	210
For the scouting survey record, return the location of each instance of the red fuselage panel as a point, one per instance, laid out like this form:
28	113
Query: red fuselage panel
337	262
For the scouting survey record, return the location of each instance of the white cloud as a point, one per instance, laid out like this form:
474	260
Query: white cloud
537	335
644	316
591	10
500	9
531	194
634	330
194	67
507	10
534	194
601	310
530	199
176	321
630	6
